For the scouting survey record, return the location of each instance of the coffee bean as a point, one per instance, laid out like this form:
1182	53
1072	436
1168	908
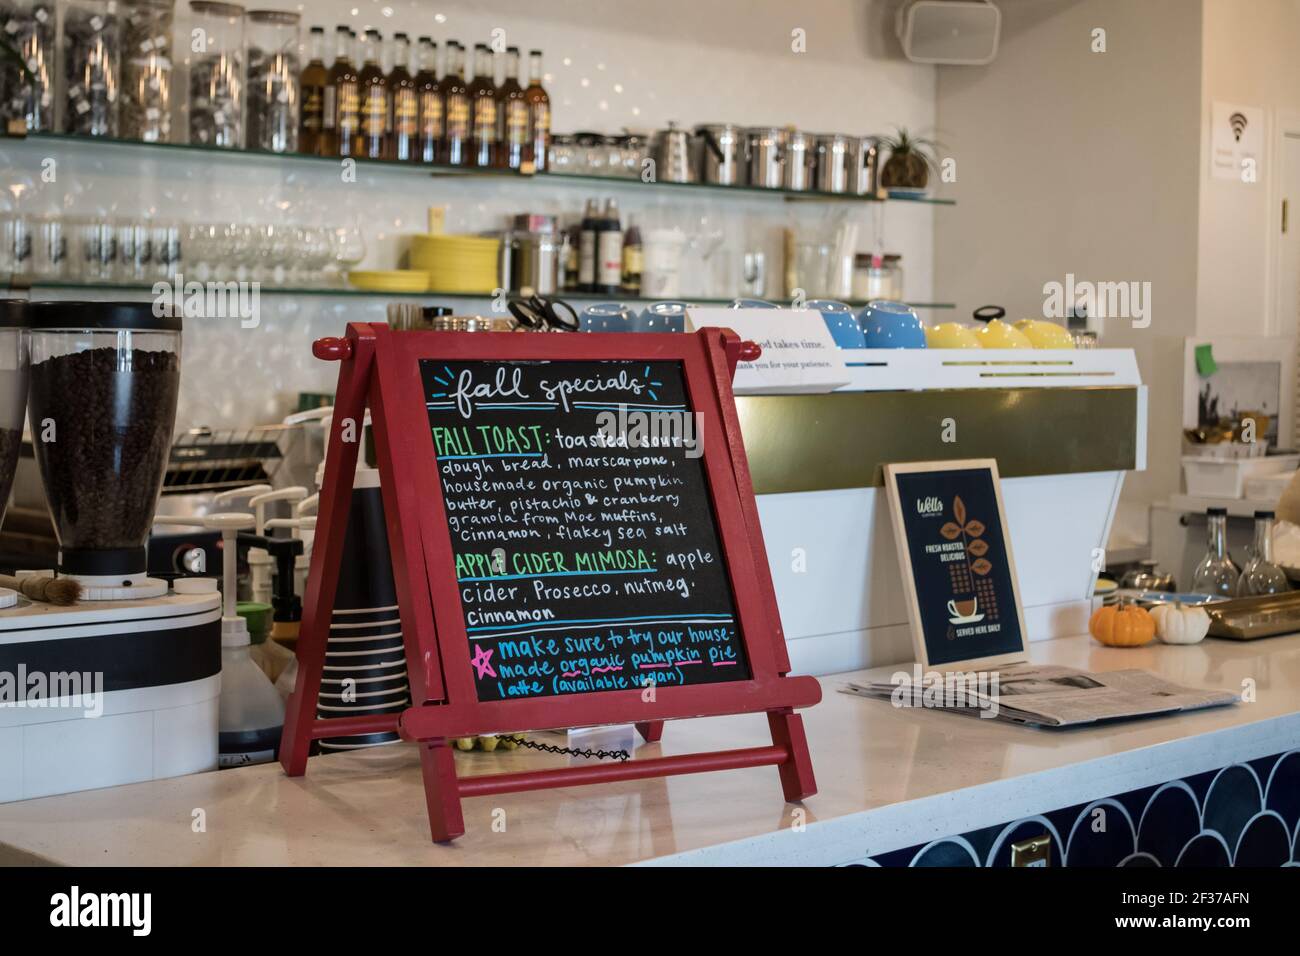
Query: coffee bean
113	412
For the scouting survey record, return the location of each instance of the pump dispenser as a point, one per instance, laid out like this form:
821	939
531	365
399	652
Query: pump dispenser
260	563
251	714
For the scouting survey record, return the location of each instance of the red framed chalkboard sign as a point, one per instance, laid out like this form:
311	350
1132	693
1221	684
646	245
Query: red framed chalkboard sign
574	541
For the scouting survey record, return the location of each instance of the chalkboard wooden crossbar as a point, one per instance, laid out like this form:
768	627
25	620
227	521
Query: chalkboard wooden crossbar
670	614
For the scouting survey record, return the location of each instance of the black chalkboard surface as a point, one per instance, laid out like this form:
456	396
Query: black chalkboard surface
587	552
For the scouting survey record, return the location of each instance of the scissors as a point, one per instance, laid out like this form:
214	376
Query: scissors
540	314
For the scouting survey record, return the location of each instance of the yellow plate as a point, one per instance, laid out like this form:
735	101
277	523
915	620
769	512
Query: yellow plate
390	280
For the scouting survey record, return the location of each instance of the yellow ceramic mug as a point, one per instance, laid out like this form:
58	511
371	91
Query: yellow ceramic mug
950	335
1046	335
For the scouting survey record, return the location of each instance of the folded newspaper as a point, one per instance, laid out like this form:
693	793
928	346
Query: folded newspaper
1043	695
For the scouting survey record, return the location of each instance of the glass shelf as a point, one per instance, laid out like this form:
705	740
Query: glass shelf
348	292
425	169
789	195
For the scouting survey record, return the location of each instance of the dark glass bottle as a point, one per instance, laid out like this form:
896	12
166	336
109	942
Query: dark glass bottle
315	78
609	250
455	108
428	94
512	116
539	114
588	233
405	137
483	109
632	259
342	99
372	137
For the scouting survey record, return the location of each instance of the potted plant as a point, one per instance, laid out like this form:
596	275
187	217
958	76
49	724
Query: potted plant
910	161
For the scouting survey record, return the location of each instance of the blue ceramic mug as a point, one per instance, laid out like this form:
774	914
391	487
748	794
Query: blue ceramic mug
665	316
891	325
841	321
607	317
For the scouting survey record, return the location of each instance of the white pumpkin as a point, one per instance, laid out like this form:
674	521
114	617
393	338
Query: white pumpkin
1176	624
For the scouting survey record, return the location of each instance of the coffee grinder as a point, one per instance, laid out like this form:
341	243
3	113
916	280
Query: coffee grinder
142	659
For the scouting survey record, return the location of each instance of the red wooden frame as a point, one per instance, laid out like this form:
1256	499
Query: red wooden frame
381	369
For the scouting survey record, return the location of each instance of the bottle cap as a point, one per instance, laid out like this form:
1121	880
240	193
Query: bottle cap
234	632
1215	512
1264	514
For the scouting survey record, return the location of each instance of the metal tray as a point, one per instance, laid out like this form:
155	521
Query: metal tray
1246	618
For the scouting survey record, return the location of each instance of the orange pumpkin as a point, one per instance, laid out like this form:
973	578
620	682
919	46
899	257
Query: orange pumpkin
1122	625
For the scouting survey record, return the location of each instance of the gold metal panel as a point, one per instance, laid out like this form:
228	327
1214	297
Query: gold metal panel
841	440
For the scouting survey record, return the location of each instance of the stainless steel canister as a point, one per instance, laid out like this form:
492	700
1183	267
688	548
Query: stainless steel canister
671	151
764	154
535	262
832	163
720	152
864	165
800	159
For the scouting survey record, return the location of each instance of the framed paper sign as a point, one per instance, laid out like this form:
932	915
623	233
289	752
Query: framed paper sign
959	577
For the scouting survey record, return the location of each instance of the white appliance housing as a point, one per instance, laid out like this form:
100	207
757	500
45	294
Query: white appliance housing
151	711
949	32
841	601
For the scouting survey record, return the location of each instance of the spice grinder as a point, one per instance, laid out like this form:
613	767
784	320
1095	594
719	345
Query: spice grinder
104	379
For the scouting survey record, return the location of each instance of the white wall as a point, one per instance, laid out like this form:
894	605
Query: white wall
629	64
1249	55
1071	161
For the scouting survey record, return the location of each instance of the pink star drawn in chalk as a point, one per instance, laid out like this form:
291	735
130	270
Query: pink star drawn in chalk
481	661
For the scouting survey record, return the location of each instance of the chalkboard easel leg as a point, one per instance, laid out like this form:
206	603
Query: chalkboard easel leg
650	730
797	781
441	791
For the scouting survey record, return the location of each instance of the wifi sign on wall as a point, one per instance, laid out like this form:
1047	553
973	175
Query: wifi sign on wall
1236	142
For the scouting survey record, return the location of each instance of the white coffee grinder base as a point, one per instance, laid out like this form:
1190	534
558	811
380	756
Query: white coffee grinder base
107	693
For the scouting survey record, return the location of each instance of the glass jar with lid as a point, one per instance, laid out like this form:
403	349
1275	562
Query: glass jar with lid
29	27
878	276
147	61
217	75
273	71
92	53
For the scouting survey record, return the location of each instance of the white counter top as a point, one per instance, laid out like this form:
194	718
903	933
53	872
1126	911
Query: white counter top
887	779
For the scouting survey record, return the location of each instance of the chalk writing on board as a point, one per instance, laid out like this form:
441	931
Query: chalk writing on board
585	562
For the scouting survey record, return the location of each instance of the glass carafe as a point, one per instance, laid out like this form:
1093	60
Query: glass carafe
1261	575
1216	574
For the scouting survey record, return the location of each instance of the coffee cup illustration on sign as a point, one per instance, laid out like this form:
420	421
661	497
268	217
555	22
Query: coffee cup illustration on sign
964	610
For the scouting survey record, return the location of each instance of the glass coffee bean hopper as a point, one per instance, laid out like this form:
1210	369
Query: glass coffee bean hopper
13	399
104	379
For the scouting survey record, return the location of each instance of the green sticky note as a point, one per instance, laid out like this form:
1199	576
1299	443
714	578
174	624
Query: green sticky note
1205	364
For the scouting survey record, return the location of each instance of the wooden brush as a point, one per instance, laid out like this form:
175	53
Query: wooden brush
47	590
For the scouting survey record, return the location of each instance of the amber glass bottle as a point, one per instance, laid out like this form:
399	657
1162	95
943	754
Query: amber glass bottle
539	114
483	109
428	96
404	140
372	137
315	77
512	116
455	108
342	99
